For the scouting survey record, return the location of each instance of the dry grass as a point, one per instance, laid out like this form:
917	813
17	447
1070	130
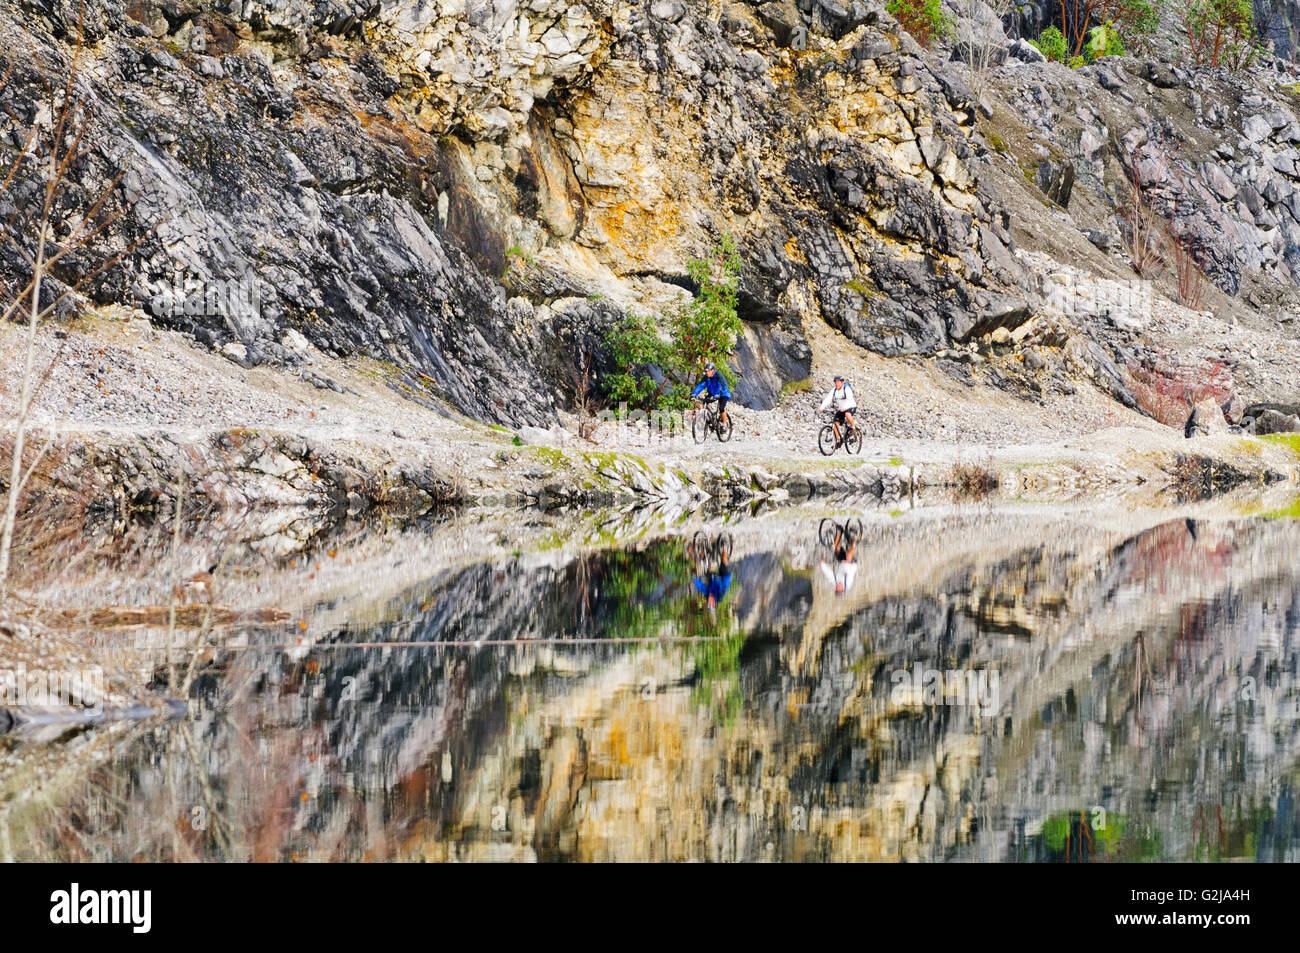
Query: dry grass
589	404
974	481
1141	231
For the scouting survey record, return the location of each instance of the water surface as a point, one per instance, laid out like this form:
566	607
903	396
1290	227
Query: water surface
988	685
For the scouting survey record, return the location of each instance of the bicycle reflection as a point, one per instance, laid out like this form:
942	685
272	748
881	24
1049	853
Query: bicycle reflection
711	562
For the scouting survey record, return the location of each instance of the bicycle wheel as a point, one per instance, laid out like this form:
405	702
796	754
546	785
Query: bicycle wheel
724	430
853	442
724	544
853	529
700	427
826	440
698	553
827	532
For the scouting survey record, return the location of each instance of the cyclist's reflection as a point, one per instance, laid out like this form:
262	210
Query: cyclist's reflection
712	562
842	540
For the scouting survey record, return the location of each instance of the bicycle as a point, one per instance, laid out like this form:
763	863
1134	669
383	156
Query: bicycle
706	552
711	423
830	532
827	444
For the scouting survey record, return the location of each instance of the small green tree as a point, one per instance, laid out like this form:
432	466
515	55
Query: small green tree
1139	22
924	19
1132	20
1051	43
1104	40
1220	32
706	329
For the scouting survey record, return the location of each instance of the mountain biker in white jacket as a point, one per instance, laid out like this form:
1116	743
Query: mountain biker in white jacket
841	395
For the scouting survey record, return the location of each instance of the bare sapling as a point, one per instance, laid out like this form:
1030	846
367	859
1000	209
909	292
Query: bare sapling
52	220
978	53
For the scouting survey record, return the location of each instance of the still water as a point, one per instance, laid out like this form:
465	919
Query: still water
970	684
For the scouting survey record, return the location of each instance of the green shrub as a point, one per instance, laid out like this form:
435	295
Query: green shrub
924	19
703	330
1125	25
636	345
1104	40
1051	43
1142	20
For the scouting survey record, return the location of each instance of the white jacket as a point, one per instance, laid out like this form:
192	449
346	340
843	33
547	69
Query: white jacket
842	576
843	399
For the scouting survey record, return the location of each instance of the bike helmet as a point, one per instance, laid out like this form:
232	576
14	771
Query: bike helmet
709	366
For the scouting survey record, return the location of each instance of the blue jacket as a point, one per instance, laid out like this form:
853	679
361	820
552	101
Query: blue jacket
715	385
715	586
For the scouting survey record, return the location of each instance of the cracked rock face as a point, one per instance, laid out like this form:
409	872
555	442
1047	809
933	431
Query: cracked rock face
1217	157
365	175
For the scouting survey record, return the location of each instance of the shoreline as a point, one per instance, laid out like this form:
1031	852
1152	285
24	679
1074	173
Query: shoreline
135	412
125	477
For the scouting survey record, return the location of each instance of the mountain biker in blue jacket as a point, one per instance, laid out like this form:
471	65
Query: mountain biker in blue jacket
716	386
715	587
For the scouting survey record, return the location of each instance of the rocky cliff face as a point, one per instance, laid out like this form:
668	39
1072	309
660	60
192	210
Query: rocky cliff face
472	190
378	169
1279	25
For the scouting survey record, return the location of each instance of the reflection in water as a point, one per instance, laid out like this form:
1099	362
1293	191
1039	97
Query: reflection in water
976	687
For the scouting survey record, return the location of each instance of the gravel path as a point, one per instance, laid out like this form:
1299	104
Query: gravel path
114	373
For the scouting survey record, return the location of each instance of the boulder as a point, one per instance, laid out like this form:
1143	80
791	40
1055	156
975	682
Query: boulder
1254	410
670	10
1206	418
1100	240
976	29
1234	408
1269	421
781	18
1026	52
1265	418
1158	74
768	356
1108	80
1056	180
535	435
972	51
995	310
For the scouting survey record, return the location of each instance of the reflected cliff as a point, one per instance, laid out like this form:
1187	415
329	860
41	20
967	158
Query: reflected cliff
975	685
